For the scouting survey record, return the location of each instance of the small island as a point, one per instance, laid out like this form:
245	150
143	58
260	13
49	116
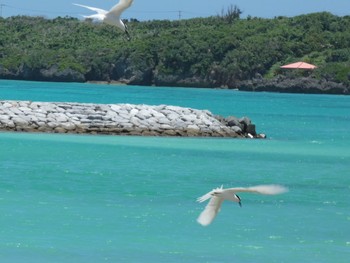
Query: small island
223	51
120	119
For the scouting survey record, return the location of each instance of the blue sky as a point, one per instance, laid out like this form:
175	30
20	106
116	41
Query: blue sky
169	9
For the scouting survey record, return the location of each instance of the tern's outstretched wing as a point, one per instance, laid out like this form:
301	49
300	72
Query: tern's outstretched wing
272	189
120	7
209	195
205	197
210	211
98	10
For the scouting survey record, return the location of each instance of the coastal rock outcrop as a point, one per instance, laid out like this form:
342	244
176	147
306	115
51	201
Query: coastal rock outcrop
284	84
52	73
120	119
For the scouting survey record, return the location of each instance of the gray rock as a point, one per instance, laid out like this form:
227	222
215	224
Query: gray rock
166	127
115	108
157	114
133	112
233	121
68	126
251	129
18	121
7	105
4	118
163	120
193	127
236	129
95	117
244	121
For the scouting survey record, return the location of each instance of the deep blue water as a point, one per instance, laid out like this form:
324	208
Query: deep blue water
75	198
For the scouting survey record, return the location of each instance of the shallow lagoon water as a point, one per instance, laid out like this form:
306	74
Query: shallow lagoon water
77	198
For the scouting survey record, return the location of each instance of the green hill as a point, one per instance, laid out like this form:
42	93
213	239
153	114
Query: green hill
206	52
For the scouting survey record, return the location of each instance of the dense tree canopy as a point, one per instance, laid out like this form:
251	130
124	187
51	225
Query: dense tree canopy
213	51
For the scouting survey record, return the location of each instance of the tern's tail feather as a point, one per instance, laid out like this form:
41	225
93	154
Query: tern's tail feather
209	195
204	197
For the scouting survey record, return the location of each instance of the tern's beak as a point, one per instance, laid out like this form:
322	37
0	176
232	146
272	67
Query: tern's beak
239	200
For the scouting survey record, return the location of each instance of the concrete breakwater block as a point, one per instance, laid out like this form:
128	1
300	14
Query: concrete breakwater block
119	119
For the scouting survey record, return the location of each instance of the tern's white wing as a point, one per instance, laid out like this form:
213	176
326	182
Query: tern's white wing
98	10
210	211
209	195
120	7
272	189
205	197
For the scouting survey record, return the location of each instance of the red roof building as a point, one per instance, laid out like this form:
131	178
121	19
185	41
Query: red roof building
299	65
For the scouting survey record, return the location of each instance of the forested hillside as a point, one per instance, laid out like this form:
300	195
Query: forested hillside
206	52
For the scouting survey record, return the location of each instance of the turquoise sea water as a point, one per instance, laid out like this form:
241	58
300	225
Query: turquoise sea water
75	198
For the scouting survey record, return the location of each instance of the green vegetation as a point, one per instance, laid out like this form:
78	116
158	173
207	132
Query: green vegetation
214	51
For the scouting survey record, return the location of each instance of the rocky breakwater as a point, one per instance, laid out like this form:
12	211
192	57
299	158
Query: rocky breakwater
119	119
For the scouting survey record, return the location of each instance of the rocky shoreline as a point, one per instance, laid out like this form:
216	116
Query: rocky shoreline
283	84
120	119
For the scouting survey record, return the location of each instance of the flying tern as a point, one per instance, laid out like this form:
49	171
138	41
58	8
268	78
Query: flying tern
111	17
218	195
